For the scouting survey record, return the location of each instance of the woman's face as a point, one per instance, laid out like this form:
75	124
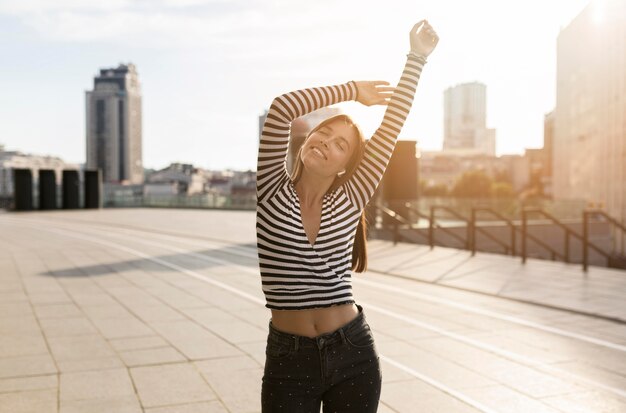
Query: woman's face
328	149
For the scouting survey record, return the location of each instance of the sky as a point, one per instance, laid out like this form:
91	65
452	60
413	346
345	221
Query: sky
208	68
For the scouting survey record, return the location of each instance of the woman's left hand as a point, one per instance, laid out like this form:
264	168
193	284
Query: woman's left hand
424	39
374	92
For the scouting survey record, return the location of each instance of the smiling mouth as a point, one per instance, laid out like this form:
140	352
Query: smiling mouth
319	153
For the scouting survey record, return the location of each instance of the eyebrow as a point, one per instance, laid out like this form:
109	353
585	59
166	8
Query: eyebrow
341	137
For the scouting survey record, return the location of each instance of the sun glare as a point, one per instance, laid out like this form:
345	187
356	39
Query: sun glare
598	11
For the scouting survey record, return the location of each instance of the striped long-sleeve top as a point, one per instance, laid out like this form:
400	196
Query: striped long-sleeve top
296	275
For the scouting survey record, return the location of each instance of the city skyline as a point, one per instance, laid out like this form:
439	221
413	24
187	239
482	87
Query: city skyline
209	69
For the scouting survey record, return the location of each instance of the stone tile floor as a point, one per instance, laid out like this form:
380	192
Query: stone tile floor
154	310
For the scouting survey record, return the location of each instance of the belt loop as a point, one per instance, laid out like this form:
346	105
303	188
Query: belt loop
296	340
343	335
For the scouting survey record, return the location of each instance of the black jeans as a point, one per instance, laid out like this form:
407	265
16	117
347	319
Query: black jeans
339	369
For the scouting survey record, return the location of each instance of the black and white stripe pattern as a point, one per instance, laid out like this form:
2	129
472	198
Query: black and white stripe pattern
295	274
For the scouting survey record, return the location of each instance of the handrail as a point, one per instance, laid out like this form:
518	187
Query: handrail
568	232
472	228
475	228
431	226
398	220
416	210
587	243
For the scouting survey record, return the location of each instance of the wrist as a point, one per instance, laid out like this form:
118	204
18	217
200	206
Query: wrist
355	89
416	55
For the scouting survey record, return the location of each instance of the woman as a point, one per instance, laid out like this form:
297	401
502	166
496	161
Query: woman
310	236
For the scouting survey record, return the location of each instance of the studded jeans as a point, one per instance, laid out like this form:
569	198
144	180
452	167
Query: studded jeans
339	370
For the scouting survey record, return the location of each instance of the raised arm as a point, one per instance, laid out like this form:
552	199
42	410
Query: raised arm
361	186
271	163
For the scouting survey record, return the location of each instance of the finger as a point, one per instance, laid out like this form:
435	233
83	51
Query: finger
379	82
417	25
386	89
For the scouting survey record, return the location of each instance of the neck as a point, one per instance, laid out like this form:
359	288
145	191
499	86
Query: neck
312	188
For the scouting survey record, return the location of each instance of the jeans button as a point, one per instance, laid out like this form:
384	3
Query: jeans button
321	341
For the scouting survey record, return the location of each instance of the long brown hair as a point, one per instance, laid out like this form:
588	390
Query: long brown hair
359	249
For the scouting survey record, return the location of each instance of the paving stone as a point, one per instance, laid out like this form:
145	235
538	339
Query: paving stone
15	309
170	384
40	299
502	397
213	368
106	311
67	327
236	380
99	384
29	401
194	341
159	312
91	364
13	297
204	407
136	343
58	311
112	328
125	404
22	345
78	348
29	383
587	402
151	356
27	366
417	396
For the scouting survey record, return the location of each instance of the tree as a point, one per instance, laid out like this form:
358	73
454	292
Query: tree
435	190
473	184
502	190
502	175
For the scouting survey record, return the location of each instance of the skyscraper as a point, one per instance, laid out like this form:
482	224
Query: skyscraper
589	153
465	120
113	125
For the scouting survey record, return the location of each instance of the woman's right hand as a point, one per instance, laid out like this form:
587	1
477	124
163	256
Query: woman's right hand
373	92
423	39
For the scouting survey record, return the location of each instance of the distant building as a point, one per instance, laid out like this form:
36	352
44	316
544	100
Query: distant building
177	178
113	125
445	168
589	149
465	120
548	141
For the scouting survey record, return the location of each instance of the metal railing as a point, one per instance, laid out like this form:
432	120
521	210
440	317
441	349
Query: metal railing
584	238
475	228
398	222
586	244
469	242
432	224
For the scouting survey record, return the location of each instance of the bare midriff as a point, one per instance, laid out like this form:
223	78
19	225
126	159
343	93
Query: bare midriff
315	321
